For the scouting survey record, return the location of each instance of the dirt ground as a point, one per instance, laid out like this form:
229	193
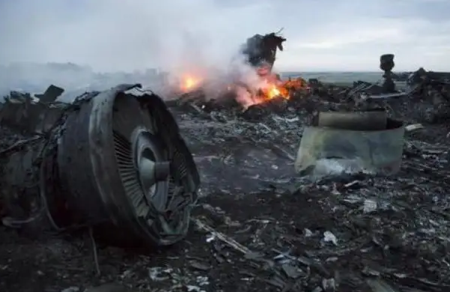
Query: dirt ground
257	227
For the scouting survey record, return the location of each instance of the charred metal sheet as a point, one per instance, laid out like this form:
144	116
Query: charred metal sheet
20	193
51	94
23	114
354	141
112	160
261	50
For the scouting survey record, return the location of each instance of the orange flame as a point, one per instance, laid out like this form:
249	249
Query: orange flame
281	89
190	83
274	89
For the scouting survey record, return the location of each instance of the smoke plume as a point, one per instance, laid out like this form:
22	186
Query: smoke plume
178	36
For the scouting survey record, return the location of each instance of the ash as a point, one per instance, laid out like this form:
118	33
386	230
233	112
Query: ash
261	227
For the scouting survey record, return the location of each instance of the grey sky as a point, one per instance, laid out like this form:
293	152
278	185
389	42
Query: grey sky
111	35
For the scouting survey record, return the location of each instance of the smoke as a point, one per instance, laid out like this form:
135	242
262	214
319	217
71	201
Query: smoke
178	36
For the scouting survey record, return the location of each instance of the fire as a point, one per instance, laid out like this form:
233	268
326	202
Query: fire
270	90
296	84
190	83
267	88
273	88
275	91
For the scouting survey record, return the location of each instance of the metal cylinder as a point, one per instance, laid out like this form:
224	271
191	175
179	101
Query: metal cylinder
91	170
362	120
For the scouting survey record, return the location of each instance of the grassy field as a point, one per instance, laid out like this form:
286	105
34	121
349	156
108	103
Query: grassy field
337	77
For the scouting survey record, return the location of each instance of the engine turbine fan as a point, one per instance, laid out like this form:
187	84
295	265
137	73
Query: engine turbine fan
115	161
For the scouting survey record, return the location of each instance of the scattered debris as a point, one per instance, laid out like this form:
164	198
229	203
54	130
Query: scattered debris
414	127
329	237
259	225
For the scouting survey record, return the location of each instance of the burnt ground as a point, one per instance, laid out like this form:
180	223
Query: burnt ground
260	227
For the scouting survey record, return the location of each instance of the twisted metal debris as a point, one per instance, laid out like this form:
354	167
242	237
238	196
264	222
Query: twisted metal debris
112	160
261	50
364	141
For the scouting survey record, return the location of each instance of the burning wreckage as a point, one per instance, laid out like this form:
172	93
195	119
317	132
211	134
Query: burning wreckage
362	206
259	53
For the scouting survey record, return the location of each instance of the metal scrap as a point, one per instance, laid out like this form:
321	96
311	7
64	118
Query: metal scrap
351	142
261	50
59	172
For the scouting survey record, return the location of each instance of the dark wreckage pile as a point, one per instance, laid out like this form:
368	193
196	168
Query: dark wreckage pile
336	188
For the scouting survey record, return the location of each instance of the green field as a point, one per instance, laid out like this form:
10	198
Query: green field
337	77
